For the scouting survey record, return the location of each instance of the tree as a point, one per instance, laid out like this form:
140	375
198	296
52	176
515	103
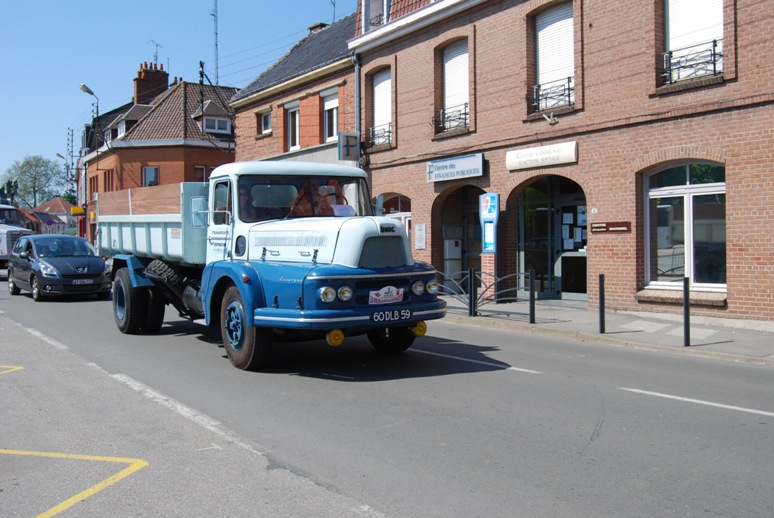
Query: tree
38	180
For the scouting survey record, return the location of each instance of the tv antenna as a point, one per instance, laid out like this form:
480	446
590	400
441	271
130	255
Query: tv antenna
155	52
214	15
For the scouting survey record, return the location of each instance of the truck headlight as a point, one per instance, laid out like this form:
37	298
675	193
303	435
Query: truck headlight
47	270
418	288
327	294
432	287
345	294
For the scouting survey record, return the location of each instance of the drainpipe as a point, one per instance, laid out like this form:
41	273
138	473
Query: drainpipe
356	62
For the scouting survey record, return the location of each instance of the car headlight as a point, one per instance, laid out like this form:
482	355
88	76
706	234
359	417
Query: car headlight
327	294
432	287
48	271
418	288
345	294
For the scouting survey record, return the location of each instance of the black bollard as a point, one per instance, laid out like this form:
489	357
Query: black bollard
686	313
602	303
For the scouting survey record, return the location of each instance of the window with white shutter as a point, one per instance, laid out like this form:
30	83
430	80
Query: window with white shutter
694	39
555	58
381	132
455	86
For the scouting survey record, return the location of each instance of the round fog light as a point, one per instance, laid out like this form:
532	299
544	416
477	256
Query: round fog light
418	288
345	293
432	287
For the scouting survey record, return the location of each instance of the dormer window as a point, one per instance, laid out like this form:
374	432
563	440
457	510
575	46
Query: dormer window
375	14
217	125
121	128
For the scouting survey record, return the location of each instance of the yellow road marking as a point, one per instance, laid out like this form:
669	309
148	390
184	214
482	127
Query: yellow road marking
5	369
134	465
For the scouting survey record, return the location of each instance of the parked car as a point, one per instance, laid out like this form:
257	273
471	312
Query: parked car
54	264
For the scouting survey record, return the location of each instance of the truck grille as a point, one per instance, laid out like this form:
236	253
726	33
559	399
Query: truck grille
382	252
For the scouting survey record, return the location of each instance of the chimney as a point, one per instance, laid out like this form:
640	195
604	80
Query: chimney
316	27
150	82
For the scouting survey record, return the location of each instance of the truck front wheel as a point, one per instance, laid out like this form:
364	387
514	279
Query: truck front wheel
391	340
128	303
247	346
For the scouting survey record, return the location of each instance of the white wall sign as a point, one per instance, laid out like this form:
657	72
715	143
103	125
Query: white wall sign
565	153
420	240
455	167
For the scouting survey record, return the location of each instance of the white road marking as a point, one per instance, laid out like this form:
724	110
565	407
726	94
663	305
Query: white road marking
699	402
479	362
43	337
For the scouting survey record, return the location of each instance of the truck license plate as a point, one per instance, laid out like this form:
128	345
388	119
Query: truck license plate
83	281
391	315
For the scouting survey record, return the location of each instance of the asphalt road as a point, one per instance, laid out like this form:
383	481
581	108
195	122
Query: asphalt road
469	422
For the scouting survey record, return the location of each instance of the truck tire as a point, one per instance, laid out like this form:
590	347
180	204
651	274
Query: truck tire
161	269
392	340
154	311
129	303
246	346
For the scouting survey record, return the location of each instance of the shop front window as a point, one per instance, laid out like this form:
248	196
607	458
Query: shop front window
686	226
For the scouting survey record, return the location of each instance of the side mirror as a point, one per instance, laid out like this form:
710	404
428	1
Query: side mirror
24	255
379	208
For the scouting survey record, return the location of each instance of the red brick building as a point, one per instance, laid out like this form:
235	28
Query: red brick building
298	106
630	139
167	134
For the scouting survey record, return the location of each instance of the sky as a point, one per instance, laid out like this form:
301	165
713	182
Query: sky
48	48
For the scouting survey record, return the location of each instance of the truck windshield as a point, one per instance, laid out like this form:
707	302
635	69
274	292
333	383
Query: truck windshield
277	197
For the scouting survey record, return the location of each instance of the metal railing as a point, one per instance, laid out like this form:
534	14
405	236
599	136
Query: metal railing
554	94
477	289
699	60
452	118
379	135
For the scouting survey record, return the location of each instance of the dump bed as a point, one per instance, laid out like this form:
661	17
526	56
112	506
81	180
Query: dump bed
163	222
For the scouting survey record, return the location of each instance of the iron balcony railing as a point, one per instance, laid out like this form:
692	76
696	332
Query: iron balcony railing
379	135
698	60
453	118
553	94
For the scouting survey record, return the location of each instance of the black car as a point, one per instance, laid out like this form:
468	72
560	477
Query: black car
54	264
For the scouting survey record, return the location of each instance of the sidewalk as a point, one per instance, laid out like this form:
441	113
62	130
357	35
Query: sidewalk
733	340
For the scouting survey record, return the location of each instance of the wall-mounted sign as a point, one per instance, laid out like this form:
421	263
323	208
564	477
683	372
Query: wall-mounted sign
349	146
488	213
611	226
542	156
455	167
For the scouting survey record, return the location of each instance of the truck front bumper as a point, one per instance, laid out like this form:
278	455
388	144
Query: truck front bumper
360	318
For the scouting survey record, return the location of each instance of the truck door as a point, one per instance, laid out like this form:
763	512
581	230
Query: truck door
221	222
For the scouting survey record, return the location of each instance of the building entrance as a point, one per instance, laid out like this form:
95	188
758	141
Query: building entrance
552	230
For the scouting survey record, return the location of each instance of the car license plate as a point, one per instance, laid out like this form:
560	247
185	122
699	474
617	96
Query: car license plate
83	281
391	315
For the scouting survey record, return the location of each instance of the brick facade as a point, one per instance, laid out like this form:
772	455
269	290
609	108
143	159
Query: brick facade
626	123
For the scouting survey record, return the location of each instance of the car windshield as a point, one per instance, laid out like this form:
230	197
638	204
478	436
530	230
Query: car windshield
63	247
276	197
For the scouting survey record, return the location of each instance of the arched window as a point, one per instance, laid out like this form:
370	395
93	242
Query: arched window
685	226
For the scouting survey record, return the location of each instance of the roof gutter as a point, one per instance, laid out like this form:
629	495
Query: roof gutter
292	83
405	25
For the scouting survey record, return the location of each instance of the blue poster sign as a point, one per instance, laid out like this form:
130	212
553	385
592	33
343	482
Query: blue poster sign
489	211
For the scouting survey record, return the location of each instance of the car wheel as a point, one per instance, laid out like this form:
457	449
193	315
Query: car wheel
246	346
128	303
154	311
37	296
391	340
13	289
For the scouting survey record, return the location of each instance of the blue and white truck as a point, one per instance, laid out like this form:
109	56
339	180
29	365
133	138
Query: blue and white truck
269	252
10	230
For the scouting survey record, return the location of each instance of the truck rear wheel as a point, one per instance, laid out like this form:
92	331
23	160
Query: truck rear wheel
128	303
247	346
391	340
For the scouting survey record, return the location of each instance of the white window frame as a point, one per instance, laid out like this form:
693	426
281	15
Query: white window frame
690	27
293	125
330	116
456	84
265	123
687	192
382	101
216	125
555	52
147	171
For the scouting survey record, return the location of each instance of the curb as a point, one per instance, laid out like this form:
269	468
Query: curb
601	339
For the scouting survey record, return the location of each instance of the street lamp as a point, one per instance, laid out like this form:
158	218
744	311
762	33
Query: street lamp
88	90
